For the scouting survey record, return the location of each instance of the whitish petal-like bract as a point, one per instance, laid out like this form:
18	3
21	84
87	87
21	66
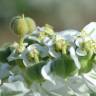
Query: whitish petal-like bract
45	71
74	57
90	80
80	52
90	29
69	35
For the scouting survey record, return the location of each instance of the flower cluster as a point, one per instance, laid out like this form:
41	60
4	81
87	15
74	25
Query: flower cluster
41	53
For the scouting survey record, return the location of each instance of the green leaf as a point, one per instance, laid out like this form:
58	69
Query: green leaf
64	66
33	73
13	89
4	53
18	62
86	62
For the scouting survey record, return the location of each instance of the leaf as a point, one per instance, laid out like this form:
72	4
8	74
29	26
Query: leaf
18	62
4	71
45	71
47	41
31	39
90	30
13	89
73	86
4	53
53	53
63	66
42	49
81	52
90	80
33	73
74	57
86	62
69	35
78	85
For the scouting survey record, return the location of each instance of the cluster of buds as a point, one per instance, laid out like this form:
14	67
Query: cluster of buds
87	38
90	45
34	55
61	45
47	31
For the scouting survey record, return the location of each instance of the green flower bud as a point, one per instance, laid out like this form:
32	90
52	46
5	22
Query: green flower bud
61	45
64	49
42	36
19	47
89	46
19	25
34	55
31	24
48	29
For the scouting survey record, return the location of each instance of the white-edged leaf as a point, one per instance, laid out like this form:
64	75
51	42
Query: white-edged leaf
90	29
48	42
45	71
4	71
77	84
80	52
53	53
90	80
74	57
69	35
12	89
42	49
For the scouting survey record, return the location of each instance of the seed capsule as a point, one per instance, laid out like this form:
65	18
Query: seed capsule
22	25
19	25
31	24
13	20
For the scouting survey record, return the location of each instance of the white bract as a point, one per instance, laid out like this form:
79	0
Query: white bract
45	71
86	39
74	57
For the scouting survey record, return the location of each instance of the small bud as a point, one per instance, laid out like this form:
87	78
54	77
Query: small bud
34	55
42	36
48	29
31	24
61	45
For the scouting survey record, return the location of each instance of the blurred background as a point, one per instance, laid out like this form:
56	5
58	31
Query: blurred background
61	14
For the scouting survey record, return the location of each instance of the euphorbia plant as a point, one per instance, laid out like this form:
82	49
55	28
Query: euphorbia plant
42	56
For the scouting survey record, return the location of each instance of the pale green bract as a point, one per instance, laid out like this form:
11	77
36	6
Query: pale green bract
50	64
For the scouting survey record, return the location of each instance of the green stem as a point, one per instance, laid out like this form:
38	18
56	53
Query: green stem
21	39
36	58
